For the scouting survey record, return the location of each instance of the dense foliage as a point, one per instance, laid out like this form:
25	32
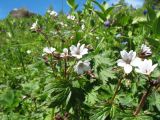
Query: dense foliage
40	80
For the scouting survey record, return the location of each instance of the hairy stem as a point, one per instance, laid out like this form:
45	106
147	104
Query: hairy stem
65	68
142	101
116	91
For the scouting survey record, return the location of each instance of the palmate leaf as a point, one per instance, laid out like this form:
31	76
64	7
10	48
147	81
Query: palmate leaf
103	67
59	91
138	118
101	113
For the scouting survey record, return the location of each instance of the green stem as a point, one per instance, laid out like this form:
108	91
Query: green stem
116	91
52	114
65	68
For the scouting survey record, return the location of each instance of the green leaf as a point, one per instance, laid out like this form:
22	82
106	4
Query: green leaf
101	113
151	14
7	98
156	26
72	4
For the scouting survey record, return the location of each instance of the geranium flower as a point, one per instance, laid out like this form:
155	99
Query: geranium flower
82	67
49	50
146	67
28	51
34	25
53	13
83	27
71	17
128	60
145	51
78	51
107	23
65	53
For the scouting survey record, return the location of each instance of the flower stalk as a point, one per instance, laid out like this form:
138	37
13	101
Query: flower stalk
142	101
117	88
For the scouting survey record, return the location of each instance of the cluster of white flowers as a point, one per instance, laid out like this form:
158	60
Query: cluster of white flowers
48	50
63	24
129	60
71	17
78	51
52	12
75	51
34	25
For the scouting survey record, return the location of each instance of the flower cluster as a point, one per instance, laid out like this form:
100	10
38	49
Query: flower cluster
71	17
129	60
77	52
52	13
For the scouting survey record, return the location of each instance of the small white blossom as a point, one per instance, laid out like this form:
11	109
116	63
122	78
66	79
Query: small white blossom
146	51
28	51
128	60
78	51
53	13
83	27
65	53
146	67
82	67
23	97
97	38
49	50
63	24
71	17
34	25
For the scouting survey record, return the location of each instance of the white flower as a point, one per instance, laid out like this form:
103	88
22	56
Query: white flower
78	51
82	67
97	38
34	25
63	25
146	67
28	51
128	60
65	53
83	27
145	51
53	13
49	50
71	17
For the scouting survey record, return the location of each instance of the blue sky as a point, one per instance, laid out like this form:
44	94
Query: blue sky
40	6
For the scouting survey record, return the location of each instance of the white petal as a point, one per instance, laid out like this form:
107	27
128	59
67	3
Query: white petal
121	63
153	67
127	68
65	50
82	47
73	48
84	51
77	56
123	54
78	45
136	62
